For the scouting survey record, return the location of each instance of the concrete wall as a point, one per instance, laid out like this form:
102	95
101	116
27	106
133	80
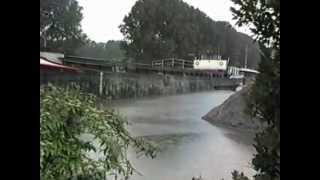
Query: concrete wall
134	85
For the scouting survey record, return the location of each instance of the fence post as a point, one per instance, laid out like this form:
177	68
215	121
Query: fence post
100	83
183	64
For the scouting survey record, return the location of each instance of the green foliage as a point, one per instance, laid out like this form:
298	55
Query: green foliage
156	29
110	51
72	128
264	101
263	16
267	86
267	159
264	104
60	28
238	176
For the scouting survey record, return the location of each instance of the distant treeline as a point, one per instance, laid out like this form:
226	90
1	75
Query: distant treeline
109	51
156	29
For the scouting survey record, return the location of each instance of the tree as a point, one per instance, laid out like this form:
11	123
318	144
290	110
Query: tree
264	101
156	29
264	18
72	127
60	28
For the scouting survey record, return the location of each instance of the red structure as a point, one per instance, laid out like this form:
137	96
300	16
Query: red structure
47	66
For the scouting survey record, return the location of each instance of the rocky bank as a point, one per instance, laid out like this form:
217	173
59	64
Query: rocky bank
231	113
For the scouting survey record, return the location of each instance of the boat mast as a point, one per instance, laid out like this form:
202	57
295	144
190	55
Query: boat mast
246	57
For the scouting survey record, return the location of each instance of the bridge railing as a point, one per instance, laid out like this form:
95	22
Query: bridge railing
172	63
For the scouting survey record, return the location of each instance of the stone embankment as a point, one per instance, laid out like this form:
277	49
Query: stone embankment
135	85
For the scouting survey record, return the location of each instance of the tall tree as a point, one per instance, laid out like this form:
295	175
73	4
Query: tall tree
60	28
157	29
264	103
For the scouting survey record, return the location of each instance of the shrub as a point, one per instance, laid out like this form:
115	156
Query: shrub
66	117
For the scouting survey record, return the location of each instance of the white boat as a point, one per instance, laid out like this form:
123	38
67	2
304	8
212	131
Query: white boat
239	87
210	64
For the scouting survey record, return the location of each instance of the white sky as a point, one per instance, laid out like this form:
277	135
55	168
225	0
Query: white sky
101	18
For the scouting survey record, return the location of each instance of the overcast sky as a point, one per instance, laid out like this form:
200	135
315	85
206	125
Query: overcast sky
101	18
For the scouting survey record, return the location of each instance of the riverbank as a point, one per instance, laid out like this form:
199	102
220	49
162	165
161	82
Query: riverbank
231	113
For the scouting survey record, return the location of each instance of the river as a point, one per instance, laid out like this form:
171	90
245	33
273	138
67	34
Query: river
189	145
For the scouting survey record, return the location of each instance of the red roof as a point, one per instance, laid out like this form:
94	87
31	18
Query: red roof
44	62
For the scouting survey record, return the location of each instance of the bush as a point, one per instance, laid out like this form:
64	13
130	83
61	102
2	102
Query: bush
238	176
66	116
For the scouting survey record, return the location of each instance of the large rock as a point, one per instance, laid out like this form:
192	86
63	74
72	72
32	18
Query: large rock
231	113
